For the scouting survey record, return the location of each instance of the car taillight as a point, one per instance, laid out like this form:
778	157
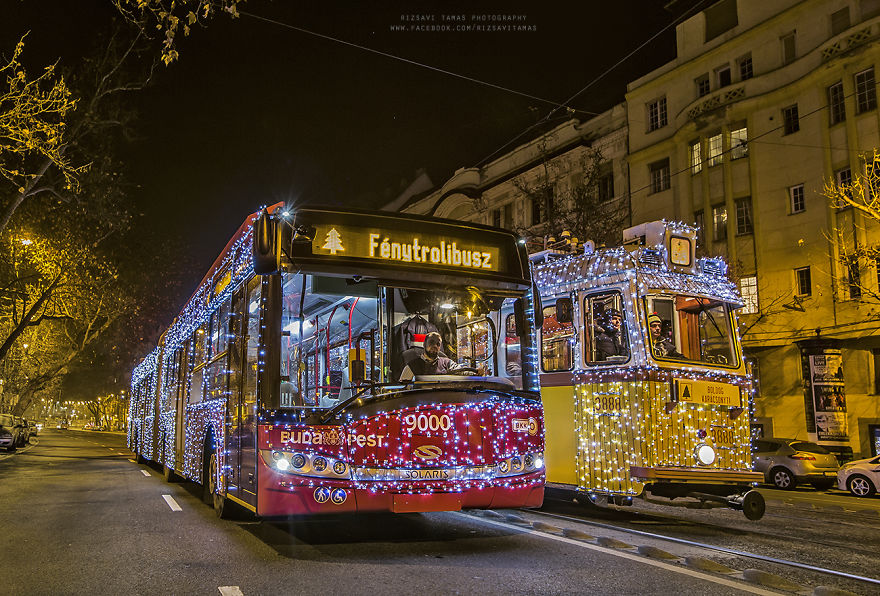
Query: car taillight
805	456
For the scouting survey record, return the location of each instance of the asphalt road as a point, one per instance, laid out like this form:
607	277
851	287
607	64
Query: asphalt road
78	516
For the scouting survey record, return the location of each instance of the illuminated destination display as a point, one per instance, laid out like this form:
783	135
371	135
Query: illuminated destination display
404	247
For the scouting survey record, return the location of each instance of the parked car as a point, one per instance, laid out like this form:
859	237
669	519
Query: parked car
860	477
12	432
789	462
31	428
63	424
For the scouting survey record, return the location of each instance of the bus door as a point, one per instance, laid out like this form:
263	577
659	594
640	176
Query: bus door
244	351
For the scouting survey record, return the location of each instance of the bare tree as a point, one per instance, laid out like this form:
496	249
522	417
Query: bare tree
575	194
856	257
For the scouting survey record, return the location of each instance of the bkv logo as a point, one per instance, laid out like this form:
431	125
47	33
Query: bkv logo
428	452
521	425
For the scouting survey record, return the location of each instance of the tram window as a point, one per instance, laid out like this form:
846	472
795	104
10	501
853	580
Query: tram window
606	339
691	328
557	339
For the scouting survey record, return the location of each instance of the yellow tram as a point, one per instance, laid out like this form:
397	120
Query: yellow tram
642	377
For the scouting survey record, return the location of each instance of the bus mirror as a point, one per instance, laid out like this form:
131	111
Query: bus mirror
519	316
266	249
564	310
356	367
539	307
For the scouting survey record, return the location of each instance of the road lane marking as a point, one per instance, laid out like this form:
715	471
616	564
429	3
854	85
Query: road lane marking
145	473
616	553
172	503
230	591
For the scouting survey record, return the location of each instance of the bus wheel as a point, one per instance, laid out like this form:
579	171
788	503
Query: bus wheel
223	507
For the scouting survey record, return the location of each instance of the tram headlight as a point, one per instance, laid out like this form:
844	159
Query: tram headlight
705	454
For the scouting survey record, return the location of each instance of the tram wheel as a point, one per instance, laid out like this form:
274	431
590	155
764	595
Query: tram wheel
753	505
783	479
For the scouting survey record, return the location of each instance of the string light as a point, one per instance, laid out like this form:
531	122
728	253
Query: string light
492	452
626	415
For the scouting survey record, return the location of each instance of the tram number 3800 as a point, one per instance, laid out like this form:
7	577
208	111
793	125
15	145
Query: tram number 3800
424	422
723	436
608	402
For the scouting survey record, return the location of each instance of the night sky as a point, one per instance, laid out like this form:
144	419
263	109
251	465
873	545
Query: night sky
255	112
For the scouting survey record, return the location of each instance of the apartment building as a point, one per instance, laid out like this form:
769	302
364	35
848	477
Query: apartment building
765	103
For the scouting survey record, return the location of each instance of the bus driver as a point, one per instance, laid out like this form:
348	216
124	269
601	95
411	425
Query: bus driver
431	362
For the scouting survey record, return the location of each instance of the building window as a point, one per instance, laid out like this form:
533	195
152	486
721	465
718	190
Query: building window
844	181
496	218
606	187
696	158
744	215
719	222
722	76
739	143
745	67
659	175
835	103
866	91
839	21
656	114
507	219
790	121
854	279
788	48
720	17
796	197
702	84
700	224
537	211
715	150
748	288
803	284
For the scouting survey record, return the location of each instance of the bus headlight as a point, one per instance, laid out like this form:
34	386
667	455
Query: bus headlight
516	465
705	454
306	464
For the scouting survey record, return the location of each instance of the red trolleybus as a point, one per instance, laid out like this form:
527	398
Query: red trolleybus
278	387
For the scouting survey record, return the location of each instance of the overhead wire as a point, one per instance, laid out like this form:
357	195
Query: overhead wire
411	62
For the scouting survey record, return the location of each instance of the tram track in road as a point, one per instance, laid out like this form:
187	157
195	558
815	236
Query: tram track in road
774	572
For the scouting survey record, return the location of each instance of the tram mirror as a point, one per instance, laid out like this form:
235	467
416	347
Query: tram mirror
564	310
266	249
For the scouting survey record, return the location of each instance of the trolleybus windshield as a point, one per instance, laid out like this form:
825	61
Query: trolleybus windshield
691	328
340	340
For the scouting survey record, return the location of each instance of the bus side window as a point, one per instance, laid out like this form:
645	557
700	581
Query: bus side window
556	341
605	338
512	353
197	385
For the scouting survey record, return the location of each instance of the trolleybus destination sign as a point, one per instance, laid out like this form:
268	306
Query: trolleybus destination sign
405	247
708	393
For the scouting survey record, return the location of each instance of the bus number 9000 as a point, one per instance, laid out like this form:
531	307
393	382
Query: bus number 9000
425	422
608	402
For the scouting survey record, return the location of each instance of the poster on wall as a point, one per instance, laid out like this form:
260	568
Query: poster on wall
829	396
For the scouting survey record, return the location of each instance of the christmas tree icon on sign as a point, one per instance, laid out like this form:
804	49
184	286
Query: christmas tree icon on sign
333	242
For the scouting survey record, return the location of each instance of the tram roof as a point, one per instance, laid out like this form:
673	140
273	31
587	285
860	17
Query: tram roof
567	273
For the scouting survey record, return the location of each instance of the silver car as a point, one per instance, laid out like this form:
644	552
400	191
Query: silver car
860	477
789	462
